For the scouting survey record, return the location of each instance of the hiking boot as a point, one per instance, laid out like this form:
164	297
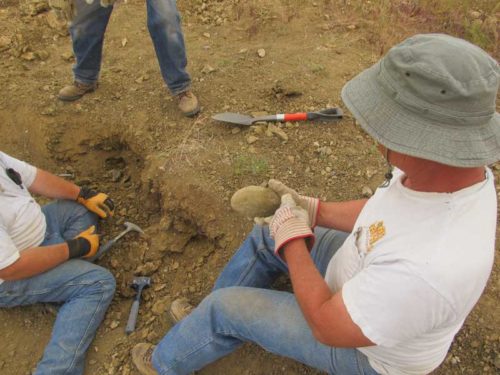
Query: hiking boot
188	103
179	309
76	91
141	357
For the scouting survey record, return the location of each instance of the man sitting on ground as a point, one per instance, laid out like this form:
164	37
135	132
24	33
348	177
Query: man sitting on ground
380	286
40	258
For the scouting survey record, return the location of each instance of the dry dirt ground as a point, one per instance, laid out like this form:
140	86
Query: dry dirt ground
174	176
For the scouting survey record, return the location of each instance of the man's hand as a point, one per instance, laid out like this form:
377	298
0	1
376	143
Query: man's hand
290	222
98	203
84	245
311	205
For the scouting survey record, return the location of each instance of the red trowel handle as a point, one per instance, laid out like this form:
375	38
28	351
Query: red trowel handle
325	114
301	116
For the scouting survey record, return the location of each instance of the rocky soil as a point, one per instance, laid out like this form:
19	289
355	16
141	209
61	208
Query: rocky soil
175	176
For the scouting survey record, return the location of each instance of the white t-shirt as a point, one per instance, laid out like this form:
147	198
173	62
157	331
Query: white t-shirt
413	268
22	223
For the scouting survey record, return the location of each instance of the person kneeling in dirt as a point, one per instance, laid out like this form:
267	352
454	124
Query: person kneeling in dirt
87	29
40	258
381	286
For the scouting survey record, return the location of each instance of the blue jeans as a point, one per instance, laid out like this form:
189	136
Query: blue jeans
242	308
84	289
164	23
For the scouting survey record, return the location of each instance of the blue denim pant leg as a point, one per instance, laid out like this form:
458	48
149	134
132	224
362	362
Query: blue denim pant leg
164	24
84	289
241	309
65	220
255	264
87	33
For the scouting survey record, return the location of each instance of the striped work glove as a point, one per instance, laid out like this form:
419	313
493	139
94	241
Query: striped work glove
311	205
290	222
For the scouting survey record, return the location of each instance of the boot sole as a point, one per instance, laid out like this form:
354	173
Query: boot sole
193	113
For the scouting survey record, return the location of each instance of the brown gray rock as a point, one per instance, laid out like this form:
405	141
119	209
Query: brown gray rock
255	201
5	42
161	305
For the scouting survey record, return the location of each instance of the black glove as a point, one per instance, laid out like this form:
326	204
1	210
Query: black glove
84	245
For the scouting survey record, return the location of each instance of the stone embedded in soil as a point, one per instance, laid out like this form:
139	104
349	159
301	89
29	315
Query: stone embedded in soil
207	69
28	56
367	191
279	132
161	305
474	14
5	42
67	56
42	55
261	52
148	269
252	139
255	201
57	23
34	7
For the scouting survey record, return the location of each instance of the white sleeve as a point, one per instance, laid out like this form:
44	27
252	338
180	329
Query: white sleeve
390	304
27	171
8	251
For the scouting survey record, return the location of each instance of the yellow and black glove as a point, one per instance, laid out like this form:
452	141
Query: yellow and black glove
84	245
98	203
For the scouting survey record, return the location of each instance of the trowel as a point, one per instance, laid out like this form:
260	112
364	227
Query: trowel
327	114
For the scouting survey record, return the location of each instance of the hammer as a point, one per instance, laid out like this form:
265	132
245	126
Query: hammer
139	283
104	248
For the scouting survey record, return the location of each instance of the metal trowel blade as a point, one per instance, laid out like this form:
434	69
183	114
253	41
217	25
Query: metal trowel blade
234	118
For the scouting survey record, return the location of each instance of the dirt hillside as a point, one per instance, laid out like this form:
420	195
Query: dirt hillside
174	176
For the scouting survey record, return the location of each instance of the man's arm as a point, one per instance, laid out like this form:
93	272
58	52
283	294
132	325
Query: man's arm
339	215
34	261
335	215
324	311
52	186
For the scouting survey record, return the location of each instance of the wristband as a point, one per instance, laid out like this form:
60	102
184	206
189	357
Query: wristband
78	247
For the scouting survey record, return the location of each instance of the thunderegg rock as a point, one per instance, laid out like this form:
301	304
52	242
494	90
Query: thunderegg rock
255	201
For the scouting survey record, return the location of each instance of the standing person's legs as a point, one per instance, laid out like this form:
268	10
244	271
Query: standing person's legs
65	220
87	33
238	310
85	290
164	24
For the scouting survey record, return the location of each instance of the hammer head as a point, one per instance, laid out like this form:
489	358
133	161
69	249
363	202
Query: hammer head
141	282
131	226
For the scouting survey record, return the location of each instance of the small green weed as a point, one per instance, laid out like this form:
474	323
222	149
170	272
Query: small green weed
318	69
249	164
474	33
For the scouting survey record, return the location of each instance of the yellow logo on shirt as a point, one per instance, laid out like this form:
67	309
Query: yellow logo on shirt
377	231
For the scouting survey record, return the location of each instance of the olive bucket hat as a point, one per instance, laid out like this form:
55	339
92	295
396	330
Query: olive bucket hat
434	97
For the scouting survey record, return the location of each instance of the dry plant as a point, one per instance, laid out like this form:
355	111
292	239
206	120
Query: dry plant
189	145
392	21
